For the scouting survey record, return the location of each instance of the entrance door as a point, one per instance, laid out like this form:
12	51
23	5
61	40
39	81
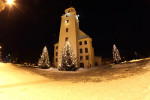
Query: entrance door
82	65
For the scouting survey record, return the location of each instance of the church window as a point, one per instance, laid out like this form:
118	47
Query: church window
66	39
81	58
67	21
85	42
56	59
56	53
86	50
80	43
67	29
67	15
81	51
56	47
87	57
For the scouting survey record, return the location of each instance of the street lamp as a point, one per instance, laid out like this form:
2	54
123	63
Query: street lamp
10	2
0	54
3	4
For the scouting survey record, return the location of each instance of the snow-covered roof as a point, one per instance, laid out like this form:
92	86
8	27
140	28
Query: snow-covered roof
82	35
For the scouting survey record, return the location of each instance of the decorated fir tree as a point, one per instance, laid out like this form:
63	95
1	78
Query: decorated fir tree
44	60
116	55
68	61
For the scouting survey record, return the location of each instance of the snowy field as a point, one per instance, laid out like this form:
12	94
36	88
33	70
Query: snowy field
128	81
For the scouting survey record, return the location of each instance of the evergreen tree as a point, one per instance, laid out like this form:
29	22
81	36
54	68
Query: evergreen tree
68	61
116	55
44	60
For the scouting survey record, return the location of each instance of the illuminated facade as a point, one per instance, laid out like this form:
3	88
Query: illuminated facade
81	43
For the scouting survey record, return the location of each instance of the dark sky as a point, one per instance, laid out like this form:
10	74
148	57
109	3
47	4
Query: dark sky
27	28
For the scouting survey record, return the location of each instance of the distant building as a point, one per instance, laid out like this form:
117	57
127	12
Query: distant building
80	42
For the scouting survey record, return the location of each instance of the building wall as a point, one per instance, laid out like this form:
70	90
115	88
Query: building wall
98	61
55	60
86	55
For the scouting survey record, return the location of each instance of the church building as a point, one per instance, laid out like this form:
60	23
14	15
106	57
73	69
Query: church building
80	42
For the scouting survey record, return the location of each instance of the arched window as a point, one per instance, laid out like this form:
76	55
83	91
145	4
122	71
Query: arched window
67	29
67	21
56	59
87	57
86	50
81	58
80	43
81	51
66	39
85	42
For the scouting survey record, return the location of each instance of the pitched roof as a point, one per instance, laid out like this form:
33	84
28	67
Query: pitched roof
82	35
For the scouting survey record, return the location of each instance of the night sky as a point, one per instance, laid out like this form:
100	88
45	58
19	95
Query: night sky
27	28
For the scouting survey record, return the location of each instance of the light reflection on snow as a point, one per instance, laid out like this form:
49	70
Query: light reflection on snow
17	83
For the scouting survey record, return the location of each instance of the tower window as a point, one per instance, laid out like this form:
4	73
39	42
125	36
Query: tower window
86	50
67	29
56	59
66	39
68	11
81	58
67	15
87	57
85	42
80	43
67	21
56	47
81	51
56	53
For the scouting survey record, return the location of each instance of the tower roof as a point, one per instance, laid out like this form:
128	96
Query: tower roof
71	9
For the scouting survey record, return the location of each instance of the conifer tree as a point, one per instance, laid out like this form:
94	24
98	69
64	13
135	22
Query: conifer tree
44	60
116	55
68	61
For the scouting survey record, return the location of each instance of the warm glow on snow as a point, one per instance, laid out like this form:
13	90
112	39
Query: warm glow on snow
25	84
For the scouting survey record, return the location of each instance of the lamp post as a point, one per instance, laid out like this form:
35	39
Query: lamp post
3	4
0	54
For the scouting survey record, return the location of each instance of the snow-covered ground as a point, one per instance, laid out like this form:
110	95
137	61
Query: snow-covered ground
129	81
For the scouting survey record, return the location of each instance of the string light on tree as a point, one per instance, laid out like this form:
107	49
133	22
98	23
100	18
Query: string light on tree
68	61
44	60
116	55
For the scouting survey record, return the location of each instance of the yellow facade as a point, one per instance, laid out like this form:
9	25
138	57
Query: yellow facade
81	43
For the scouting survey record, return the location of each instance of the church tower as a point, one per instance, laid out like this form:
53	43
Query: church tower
69	31
81	43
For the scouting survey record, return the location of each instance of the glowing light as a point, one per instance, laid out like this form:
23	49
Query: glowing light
10	2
